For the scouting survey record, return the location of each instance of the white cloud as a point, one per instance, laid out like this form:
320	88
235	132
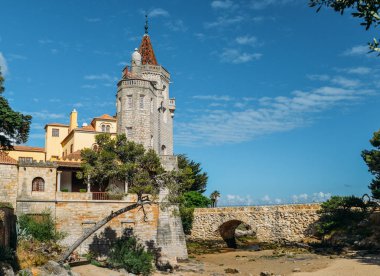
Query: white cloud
266	199
213	97
246	40
92	20
37	136
262	4
320	197
349	83
44	114
269	115
235	56
318	77
221	4
16	56
224	21
233	200
3	64
356	51
302	198
104	77
89	86
158	12
176	26
358	70
45	41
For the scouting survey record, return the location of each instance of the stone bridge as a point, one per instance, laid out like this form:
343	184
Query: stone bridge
269	223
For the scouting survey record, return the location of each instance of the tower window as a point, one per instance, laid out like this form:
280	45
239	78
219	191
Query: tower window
119	105
141	101
103	128
108	129
38	184
129	132
151	141
71	148
163	150
55	132
130	101
151	105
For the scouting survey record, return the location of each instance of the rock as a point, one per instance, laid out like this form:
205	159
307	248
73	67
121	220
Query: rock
6	269
265	273
296	269
55	268
231	270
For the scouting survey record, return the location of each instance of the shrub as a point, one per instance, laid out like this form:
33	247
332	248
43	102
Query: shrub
82	190
64	190
341	213
41	227
191	200
129	254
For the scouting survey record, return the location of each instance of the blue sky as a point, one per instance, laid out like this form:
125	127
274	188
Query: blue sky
275	100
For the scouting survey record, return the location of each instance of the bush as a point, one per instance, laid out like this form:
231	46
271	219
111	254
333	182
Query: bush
41	227
82	190
129	254
341	214
191	200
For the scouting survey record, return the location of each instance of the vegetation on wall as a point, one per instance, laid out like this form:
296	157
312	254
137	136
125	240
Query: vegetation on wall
14	126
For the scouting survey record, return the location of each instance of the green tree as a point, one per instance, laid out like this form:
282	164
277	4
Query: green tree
192	174
14	126
125	161
366	10
214	196
372	159
341	214
191	200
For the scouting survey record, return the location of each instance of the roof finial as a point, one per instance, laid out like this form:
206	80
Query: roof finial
146	23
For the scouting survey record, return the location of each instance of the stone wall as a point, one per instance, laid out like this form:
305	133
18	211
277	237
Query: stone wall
270	223
8	183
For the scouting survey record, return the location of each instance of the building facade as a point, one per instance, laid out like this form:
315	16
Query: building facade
38	179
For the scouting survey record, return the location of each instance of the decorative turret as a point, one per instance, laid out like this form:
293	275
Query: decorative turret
73	120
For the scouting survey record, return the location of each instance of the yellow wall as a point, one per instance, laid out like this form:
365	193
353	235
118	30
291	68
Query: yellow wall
99	123
38	156
53	145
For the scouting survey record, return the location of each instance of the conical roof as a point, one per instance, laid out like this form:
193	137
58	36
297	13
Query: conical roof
146	51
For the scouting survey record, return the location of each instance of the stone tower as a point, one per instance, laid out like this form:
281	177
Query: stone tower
144	109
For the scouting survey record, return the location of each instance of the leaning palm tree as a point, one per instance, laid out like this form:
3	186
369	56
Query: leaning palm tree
215	195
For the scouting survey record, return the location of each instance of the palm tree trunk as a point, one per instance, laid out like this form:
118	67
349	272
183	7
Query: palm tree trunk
88	232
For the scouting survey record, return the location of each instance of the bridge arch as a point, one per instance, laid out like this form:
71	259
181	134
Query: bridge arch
227	231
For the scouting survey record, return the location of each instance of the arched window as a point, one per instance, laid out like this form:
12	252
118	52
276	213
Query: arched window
163	150
38	184
108	129
103	128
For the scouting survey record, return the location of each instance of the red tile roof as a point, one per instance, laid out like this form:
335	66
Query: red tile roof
89	128
146	51
28	148
5	159
106	117
68	164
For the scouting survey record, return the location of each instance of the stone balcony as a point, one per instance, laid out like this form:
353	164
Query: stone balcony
172	105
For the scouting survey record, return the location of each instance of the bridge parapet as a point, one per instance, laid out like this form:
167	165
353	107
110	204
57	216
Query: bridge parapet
291	222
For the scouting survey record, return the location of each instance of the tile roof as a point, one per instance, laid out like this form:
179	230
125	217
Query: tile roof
5	159
146	51
89	128
68	164
28	148
106	117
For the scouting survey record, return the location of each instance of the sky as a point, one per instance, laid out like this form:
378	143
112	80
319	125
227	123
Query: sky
274	100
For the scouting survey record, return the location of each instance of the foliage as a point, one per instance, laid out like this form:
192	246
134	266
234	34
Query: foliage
129	254
367	10
6	205
14	126
40	227
341	213
191	200
124	161
214	196
193	177
8	255
372	159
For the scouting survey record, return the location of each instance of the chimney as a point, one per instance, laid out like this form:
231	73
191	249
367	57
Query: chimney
73	120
